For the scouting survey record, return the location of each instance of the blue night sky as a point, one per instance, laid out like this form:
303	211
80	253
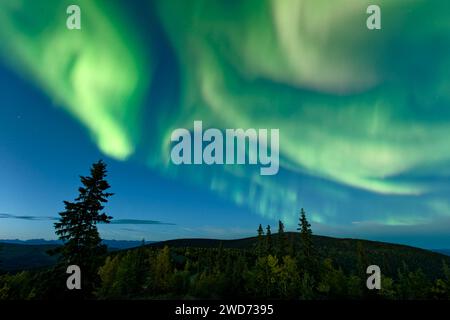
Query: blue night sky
364	116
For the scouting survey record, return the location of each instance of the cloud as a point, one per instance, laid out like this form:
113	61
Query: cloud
114	221
138	222
209	231
130	230
29	218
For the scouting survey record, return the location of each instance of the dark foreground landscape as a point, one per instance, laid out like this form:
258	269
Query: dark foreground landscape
268	266
281	265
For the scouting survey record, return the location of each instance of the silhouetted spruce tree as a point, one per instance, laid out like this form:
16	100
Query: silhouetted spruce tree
77	226
306	256
305	236
280	227
260	243
269	244
281	241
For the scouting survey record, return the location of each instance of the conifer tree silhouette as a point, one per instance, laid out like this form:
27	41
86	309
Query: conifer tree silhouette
77	226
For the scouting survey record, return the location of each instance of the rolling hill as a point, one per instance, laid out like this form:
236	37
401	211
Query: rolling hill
390	257
343	252
443	251
17	255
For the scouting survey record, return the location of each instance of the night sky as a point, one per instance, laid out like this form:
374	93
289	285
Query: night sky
364	115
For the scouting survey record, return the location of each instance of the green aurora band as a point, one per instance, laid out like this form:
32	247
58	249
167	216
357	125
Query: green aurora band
357	109
97	75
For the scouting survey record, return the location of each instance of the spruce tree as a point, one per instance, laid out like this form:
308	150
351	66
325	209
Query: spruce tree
281	240
260	232
77	226
260	244
305	235
280	227
307	256
269	245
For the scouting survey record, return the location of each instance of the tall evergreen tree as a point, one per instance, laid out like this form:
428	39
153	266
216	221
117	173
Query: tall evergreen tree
260	231
281	241
77	226
280	227
260	243
269	244
305	235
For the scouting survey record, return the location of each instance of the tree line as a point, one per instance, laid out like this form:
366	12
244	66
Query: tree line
278	265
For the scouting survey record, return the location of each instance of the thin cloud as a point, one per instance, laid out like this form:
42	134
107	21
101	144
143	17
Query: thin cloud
137	222
114	221
29	218
130	230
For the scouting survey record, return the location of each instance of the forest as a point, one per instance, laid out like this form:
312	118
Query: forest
280	265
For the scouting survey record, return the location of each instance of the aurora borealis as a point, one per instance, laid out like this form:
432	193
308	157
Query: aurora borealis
364	116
